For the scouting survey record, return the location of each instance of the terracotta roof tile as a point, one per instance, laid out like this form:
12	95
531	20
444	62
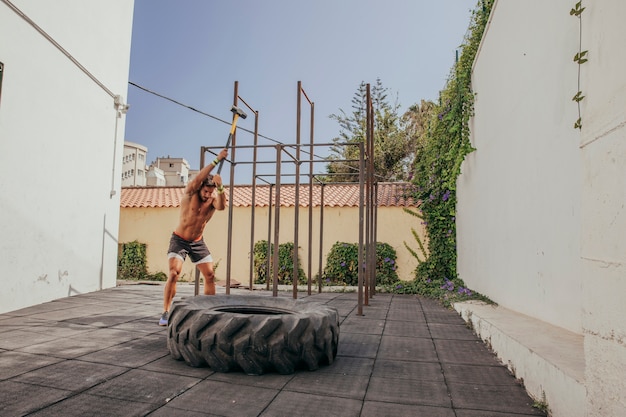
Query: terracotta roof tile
335	195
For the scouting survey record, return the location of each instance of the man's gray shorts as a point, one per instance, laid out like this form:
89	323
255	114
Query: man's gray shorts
197	250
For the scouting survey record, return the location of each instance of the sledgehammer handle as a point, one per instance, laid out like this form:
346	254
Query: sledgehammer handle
230	137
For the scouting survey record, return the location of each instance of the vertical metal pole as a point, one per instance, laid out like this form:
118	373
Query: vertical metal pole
268	258
369	156
319	281
253	204
279	151
196	285
296	214
360	266
230	196
372	203
375	231
310	260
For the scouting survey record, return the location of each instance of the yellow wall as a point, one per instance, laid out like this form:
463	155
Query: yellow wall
154	227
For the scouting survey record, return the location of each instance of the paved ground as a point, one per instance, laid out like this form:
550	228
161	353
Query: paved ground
102	354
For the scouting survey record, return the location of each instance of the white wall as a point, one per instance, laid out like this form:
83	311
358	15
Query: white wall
60	220
541	216
518	216
603	194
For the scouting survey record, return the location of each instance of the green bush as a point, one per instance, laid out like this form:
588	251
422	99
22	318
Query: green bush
342	260
285	264
131	263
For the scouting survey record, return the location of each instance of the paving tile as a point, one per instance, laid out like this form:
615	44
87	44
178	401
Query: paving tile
443	317
132	354
101	320
407	348
85	405
20	338
416	316
409	370
81	344
18	399
225	399
465	352
71	312
359	345
479	374
144	325
169	411
71	375
60	329
292	404
486	413
345	386
406	328
381	409
347	365
371	312
268	380
399	392
16	363
451	331
144	386
500	398
169	365
363	325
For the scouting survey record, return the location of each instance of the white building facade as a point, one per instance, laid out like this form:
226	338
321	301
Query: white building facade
541	220
65	76
134	165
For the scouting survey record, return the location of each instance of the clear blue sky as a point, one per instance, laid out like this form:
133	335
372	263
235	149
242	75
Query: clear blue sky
193	51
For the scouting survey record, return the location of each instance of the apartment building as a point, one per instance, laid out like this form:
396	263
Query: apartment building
134	165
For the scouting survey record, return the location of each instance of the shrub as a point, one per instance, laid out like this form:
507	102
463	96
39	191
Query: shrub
285	263
342	261
131	263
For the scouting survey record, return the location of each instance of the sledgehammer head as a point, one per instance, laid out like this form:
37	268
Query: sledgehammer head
238	111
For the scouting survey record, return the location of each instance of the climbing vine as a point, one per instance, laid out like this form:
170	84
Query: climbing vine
580	58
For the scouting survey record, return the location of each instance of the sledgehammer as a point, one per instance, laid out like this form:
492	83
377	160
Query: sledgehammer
237	113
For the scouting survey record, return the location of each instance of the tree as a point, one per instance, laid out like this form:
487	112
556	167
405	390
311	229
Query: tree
416	122
392	146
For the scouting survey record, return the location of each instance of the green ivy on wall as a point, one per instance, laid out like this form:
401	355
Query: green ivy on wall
580	58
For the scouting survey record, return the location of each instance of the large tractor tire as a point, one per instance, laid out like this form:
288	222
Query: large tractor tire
256	334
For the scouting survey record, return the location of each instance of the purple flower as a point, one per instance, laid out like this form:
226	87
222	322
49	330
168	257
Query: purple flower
343	264
446	195
398	286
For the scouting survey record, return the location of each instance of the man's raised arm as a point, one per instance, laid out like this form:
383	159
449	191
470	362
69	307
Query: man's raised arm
196	183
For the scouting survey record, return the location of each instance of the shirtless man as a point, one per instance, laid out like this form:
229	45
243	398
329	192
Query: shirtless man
203	195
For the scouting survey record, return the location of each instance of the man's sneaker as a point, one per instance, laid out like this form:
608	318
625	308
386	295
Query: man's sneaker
163	320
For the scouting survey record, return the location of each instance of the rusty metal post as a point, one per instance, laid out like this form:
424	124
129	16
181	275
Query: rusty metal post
319	281
371	203
279	150
369	156
268	257
233	146
360	262
253	205
310	254
296	214
196	285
